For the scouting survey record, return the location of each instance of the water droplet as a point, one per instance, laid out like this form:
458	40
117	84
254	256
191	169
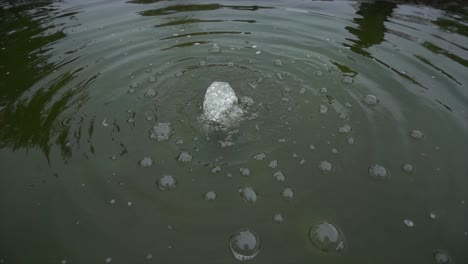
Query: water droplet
167	182
146	162
244	171
279	176
244	244
351	140
278	62
273	164
260	156
184	157
408	223
416	134
161	131
215	49
325	166
327	237
150	93
408	168
287	194
323	90
345	129
370	99
379	172
323	109
248	194
210	196
216	169
278	218
441	257
347	80
433	215
258	52
112	201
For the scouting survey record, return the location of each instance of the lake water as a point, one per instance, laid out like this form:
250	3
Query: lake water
347	143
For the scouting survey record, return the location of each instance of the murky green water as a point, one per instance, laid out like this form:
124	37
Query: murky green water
354	149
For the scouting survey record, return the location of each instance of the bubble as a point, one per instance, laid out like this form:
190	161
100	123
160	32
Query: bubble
319	73
152	79
244	171
441	257
248	194
408	168
134	85
161	131
167	182
416	134
131	91
323	109
287	194
347	80
278	218
230	64
279	176
279	75
273	164
244	244
215	49
334	150
325	166
345	129
220	103
379	172
351	140
149	256
323	90
210	196
433	215
311	147
216	169
184	157
327	237
108	260
260	156
150	93
408	223
370	99
279	62
302	91
146	162
179	74
202	63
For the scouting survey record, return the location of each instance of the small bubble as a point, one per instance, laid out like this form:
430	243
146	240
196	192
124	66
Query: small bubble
62	262
216	169
287	194
273	164
215	49
323	90
145	162
433	215
319	73
260	156
311	147
441	257
302	91
278	218
334	150
345	129
134	85
150	93
149	256
347	80
408	223
279	76
282	140
108	260
416	134
378	172
179	74
129	203
323	109
166	182
278	62
258	52
279	176
202	63
248	194
152	79
370	99
408	168
230	64
209	196
184	157
325	166
326	237
131	91
161	132
112	201
244	171
244	245
351	140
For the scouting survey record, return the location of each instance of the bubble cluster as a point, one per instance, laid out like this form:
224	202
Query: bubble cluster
184	157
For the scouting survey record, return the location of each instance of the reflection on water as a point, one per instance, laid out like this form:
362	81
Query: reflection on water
352	143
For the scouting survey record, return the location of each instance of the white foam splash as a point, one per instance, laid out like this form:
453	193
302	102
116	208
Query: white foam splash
220	104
